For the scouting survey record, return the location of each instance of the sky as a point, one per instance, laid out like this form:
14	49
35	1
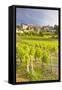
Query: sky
36	16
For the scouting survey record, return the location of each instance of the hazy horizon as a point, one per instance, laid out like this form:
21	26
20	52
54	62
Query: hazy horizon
41	17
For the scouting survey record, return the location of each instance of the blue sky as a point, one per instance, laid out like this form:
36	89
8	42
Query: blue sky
36	16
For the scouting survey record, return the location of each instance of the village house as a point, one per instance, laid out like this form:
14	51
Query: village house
30	27
48	28
24	26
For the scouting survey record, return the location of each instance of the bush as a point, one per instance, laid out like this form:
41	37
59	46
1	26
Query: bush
40	33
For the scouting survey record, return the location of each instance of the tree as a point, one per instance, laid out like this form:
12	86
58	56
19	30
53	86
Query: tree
19	27
40	33
56	28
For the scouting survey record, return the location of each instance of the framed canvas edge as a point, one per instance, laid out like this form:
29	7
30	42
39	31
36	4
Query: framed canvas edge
14	43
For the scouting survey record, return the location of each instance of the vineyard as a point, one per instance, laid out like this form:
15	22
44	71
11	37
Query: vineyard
36	58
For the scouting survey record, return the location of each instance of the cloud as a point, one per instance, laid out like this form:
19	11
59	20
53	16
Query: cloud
36	16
